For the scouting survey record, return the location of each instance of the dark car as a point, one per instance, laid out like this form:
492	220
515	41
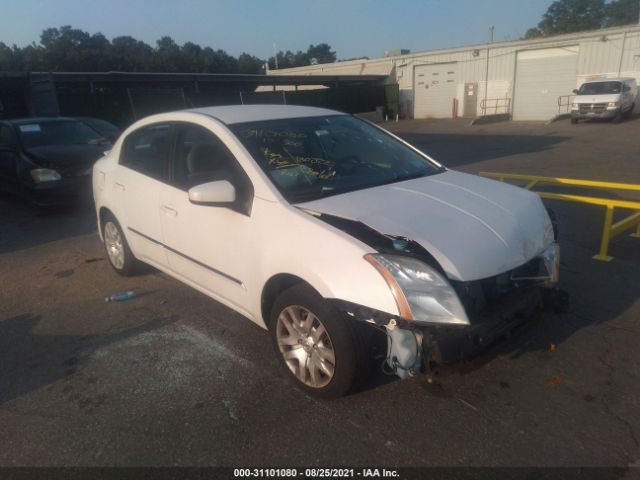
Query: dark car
106	129
49	160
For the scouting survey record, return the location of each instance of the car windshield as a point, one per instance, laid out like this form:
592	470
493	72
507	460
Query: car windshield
62	132
313	157
600	88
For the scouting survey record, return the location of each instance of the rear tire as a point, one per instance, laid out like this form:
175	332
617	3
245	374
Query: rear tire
118	252
574	121
317	346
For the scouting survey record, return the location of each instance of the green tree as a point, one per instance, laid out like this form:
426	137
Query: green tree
622	12
249	64
167	56
6	57
533	33
130	55
567	16
71	49
191	58
321	53
289	59
315	54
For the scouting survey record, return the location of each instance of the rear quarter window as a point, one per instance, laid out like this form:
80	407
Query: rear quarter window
147	151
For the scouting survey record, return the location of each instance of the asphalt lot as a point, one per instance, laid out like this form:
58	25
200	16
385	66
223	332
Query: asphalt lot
174	378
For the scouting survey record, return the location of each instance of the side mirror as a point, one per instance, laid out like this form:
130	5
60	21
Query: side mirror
575	90
216	193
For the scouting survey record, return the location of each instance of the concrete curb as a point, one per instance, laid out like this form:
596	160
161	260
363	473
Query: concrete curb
561	116
500	117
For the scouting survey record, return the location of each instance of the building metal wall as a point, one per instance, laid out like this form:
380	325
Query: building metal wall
603	53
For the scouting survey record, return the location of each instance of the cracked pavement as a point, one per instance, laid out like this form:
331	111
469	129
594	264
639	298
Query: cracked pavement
174	378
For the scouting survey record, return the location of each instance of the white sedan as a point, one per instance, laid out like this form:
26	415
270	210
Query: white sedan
329	232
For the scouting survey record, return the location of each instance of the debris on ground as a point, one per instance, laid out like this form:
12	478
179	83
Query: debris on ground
464	402
554	381
120	296
95	259
553	347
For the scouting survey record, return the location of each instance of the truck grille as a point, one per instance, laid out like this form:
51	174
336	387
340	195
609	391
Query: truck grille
592	107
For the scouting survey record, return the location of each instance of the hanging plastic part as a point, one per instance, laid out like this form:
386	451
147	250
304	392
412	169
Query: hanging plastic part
404	352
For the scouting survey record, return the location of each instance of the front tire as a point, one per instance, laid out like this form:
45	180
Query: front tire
629	112
316	345
117	248
618	117
574	120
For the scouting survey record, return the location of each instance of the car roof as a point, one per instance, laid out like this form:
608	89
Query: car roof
617	79
254	113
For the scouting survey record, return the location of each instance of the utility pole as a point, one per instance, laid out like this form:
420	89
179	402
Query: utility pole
486	74
276	54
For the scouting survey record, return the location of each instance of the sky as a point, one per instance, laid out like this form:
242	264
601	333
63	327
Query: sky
353	28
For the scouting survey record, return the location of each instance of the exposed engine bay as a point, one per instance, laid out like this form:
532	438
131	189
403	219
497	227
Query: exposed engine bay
496	306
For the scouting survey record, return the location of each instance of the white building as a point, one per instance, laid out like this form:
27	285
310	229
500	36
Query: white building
525	78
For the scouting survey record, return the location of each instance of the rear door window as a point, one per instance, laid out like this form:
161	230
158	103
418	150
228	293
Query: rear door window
147	150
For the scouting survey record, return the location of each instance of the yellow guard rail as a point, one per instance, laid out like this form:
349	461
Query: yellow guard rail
610	230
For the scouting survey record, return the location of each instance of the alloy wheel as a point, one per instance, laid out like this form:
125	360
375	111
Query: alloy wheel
305	346
114	244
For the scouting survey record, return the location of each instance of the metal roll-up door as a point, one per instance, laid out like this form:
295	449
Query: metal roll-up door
434	88
541	77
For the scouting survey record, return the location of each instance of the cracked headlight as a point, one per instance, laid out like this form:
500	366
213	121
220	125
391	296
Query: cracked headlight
421	293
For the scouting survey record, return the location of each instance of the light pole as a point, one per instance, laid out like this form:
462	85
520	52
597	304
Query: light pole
275	50
486	74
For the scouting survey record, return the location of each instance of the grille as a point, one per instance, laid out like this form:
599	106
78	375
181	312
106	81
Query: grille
484	299
592	107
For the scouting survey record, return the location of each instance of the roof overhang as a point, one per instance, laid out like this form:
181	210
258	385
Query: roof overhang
215	78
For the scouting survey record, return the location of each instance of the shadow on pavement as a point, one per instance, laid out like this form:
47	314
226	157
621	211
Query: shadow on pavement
23	225
29	361
455	150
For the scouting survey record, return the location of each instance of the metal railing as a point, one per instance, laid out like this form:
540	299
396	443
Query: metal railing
495	104
610	230
564	102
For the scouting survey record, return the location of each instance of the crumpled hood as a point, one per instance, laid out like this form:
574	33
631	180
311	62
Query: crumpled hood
69	160
604	98
474	227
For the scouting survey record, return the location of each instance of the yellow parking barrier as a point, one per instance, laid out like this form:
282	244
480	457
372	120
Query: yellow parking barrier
610	230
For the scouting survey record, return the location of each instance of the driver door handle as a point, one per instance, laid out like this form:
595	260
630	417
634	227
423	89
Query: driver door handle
169	211
118	186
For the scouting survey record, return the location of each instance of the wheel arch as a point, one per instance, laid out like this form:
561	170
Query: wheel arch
273	288
103	214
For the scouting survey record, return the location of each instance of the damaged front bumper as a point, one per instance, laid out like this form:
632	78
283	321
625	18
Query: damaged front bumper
444	345
496	308
414	347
